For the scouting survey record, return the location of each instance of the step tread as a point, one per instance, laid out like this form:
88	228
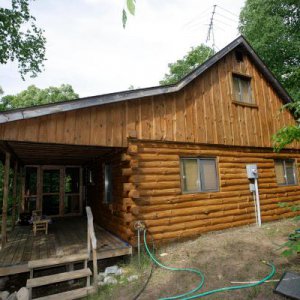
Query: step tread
69	295
41	263
60	277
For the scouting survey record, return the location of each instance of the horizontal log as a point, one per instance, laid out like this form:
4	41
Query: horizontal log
199	203
153	178
159	164
205	150
161	192
199	216
126	172
267	165
157	186
134	194
157	157
187	211
196	231
159	171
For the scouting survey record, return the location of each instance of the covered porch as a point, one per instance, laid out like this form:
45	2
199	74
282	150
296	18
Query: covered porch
66	237
58	180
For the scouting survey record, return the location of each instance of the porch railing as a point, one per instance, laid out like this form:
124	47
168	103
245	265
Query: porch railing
92	243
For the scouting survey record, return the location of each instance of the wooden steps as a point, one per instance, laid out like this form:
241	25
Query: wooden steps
65	276
50	262
70	275
70	295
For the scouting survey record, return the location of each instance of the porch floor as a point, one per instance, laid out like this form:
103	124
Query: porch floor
66	236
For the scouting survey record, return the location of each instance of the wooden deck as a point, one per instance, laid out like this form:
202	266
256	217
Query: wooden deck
66	237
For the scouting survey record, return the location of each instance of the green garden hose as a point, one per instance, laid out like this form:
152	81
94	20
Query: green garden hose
188	296
236	287
175	269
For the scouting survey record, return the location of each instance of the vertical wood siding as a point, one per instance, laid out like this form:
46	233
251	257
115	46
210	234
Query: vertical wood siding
203	112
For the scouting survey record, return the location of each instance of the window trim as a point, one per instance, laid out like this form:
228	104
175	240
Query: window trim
283	160
247	78
199	174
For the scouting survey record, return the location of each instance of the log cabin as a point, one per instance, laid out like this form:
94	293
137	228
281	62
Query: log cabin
173	156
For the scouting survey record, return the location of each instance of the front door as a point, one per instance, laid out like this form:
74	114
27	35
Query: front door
51	190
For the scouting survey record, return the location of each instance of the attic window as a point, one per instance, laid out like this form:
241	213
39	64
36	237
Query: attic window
239	56
242	91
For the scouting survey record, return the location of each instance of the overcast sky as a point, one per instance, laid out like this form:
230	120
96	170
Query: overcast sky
88	48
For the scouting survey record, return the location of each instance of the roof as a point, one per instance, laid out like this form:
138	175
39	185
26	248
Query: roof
42	110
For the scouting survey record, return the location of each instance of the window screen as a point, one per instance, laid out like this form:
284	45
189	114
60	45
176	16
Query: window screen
242	89
107	183
199	175
285	171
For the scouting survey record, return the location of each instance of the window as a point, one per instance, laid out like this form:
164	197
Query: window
242	89
107	183
199	175
285	171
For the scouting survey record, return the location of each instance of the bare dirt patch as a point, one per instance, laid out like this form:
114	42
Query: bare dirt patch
223	257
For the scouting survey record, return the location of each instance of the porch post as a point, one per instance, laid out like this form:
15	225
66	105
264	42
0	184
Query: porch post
22	191
14	210
5	198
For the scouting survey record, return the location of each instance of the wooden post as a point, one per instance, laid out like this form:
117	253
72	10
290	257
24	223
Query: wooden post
14	210
22	199
5	199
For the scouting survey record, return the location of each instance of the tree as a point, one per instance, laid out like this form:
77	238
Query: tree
272	28
20	39
291	133
35	96
195	57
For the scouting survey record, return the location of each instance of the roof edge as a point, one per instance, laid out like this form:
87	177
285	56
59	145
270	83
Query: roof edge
57	107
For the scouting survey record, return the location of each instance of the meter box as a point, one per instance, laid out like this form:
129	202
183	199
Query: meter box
252	172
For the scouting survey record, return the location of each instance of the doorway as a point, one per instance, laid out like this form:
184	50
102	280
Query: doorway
56	190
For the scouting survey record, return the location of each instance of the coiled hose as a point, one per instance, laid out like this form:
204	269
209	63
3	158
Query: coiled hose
188	296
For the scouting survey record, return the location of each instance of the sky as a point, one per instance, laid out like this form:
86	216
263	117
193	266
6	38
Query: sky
88	48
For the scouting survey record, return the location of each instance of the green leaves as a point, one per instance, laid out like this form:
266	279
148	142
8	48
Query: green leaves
20	39
195	57
35	96
130	7
272	28
124	18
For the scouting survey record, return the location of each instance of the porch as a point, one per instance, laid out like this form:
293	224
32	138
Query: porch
67	236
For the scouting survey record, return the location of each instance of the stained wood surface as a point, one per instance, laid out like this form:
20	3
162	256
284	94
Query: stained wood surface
170	214
66	237
203	112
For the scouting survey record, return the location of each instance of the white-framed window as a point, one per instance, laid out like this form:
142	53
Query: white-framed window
285	170
107	183
199	175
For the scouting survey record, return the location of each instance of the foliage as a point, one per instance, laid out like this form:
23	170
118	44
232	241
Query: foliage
288	134
272	28
194	58
293	245
21	39
130	7
35	96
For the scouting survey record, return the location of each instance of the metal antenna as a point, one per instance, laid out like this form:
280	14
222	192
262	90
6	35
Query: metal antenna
210	33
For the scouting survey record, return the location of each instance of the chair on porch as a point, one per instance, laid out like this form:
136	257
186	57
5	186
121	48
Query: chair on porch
39	224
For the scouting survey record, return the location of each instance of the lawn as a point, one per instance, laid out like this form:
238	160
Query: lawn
229	256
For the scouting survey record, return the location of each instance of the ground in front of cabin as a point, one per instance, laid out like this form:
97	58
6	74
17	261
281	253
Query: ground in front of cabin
223	257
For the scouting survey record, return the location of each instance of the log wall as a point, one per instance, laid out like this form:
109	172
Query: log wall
202	112
117	216
170	214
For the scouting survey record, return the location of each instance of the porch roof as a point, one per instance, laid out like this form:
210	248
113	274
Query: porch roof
29	153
